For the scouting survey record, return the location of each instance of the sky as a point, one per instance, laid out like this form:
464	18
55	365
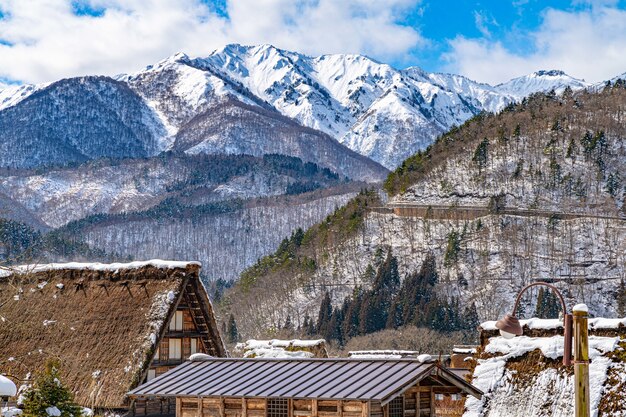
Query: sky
488	40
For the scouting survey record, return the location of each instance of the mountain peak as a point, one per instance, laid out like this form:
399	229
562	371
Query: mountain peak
549	73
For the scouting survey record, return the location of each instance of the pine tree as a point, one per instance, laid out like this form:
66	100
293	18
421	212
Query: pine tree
325	313
288	324
352	315
471	321
233	332
621	299
48	394
481	154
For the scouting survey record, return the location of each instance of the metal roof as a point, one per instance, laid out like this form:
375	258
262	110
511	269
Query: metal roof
324	378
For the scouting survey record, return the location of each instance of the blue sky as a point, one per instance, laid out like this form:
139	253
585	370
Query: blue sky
487	40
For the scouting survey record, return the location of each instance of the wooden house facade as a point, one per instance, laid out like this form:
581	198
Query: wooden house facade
110	327
309	388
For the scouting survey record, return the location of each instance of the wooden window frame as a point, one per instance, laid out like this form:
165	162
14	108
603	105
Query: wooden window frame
172	342
277	407
396	407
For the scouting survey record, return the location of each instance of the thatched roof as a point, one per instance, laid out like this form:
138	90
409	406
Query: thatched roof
525	376
101	321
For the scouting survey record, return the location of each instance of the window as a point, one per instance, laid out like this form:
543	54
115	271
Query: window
456	397
151	374
194	346
157	354
175	349
176	324
277	407
439	397
396	407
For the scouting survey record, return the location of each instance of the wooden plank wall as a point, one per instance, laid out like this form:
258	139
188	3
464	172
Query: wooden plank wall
253	407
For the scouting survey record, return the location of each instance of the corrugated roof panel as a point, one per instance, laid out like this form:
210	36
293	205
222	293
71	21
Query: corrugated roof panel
320	380
281	373
296	374
245	371
389	375
324	387
198	379
174	380
356	379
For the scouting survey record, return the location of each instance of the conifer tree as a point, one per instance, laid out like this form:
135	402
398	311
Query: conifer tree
471	320
325	313
352	315
233	332
621	299
481	154
48	396
288	324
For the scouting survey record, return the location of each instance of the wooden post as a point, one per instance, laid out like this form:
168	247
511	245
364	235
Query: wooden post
244	407
179	407
340	408
222	411
581	361
200	408
365	409
313	408
432	402
418	400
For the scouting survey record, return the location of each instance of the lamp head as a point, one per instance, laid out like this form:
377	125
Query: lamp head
509	326
7	387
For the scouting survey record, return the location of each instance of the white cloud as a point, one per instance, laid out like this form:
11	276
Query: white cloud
48	41
587	44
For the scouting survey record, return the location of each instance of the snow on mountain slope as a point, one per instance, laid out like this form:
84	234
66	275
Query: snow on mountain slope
376	110
235	128
350	96
13	94
540	81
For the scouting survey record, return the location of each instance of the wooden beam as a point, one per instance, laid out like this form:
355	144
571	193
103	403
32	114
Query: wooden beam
365	411
179	407
313	408
200	408
244	407
222	412
432	402
339	408
418	399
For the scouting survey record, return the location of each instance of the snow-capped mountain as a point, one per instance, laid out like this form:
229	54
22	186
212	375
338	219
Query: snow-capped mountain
372	108
540	81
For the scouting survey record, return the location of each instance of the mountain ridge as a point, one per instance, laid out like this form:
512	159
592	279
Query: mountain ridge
379	111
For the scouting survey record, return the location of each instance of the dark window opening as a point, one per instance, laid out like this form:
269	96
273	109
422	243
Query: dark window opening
396	407
277	407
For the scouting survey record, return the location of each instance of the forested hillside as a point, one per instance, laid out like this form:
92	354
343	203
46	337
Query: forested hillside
534	192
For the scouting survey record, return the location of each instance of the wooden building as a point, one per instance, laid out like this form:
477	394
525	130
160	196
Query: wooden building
213	387
110	326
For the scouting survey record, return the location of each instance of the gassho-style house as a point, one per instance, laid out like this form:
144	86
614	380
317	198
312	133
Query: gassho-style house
110	326
310	387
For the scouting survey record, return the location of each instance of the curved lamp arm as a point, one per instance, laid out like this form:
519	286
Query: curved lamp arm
510	326
536	284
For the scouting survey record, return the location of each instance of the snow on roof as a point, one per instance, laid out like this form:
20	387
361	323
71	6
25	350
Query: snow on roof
535	323
253	343
538	388
380	354
95	266
277	348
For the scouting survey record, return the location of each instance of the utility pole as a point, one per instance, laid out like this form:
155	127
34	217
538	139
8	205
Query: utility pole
581	360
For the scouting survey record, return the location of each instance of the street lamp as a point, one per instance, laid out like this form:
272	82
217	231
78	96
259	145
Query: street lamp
510	327
7	388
